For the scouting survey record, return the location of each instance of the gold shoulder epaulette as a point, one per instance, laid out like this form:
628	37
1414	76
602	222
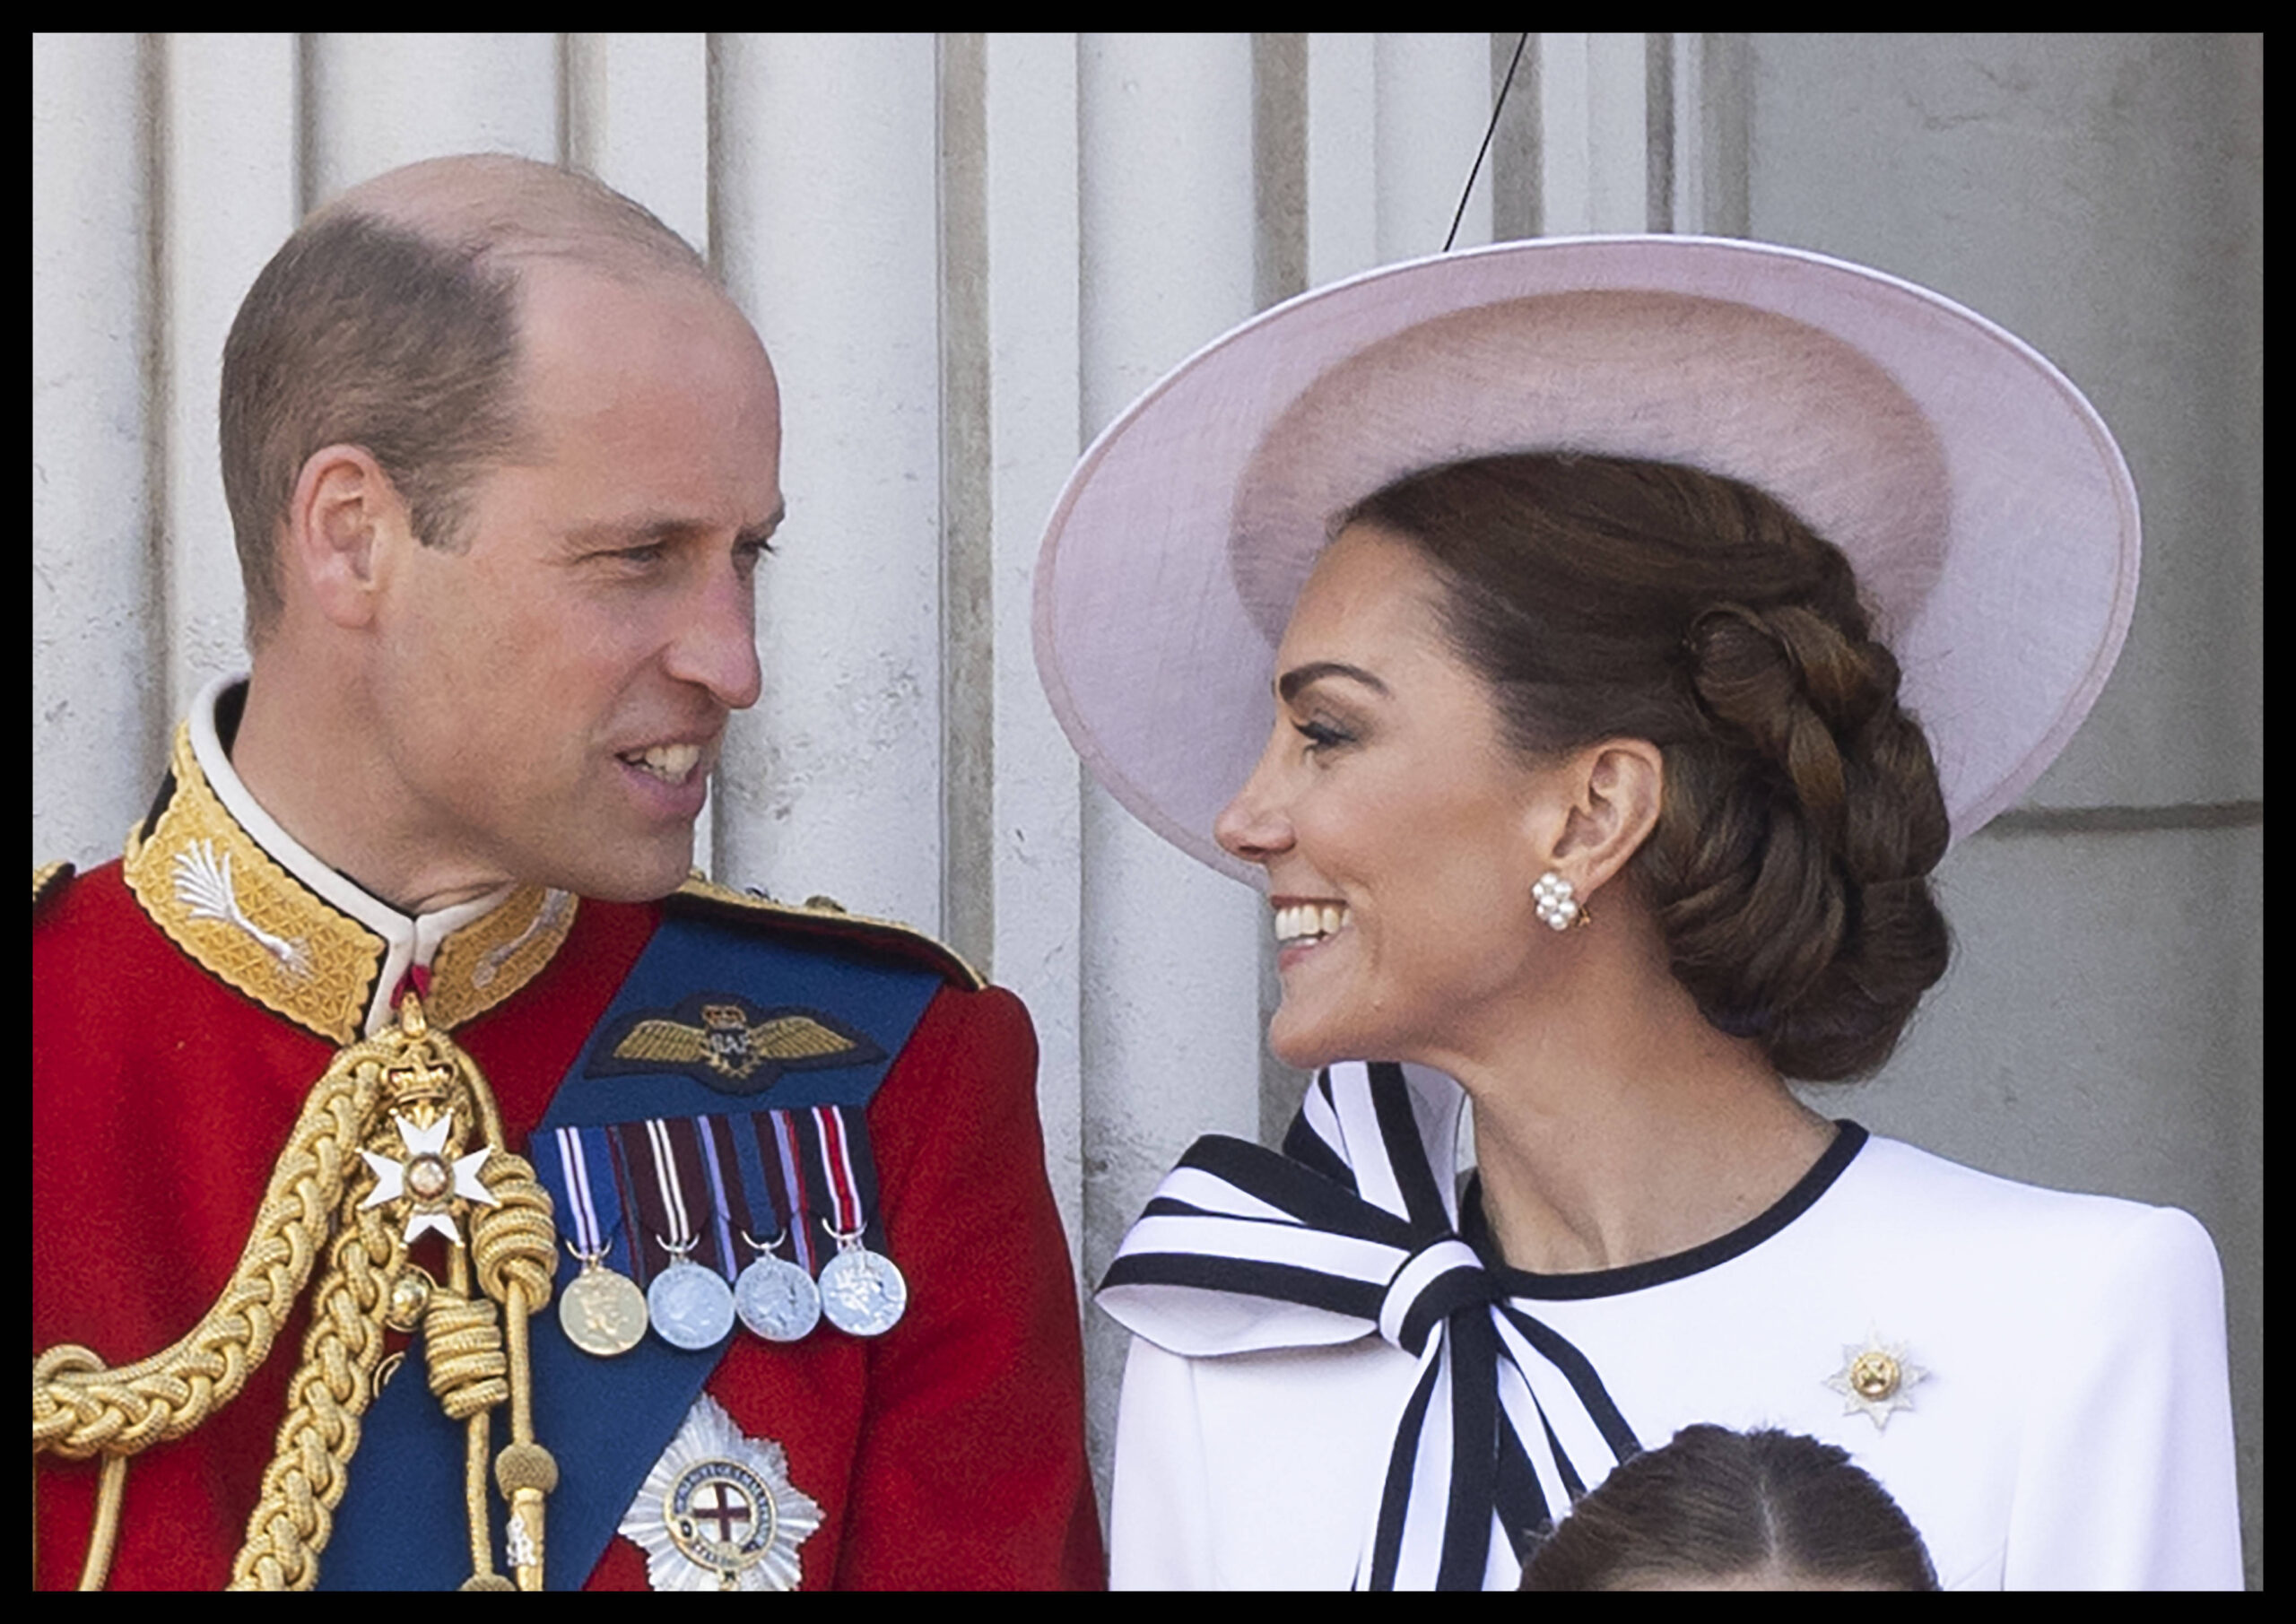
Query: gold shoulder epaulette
49	880
821	917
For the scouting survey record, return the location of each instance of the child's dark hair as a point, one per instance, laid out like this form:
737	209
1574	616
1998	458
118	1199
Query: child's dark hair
1717	1505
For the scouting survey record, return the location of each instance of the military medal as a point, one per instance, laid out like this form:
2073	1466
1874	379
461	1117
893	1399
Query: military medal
692	1307
776	1299
863	1294
601	1310
429	1179
719	1511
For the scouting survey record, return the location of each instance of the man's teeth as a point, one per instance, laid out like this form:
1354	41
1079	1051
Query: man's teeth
1306	920
671	763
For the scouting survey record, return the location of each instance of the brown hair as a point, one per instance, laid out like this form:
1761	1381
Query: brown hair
365	329
1801	816
1715	1504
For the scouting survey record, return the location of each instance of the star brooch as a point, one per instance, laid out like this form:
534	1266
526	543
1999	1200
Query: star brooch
719	1511
427	1178
1873	1378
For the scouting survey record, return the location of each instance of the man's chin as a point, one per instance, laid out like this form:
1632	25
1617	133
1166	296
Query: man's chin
652	891
631	876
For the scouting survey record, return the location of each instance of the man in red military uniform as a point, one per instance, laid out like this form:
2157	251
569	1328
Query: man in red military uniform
502	461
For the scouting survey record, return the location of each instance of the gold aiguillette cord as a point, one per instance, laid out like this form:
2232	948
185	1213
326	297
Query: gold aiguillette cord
384	1101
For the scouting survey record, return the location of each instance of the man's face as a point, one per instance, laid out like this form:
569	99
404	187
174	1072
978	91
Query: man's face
553	697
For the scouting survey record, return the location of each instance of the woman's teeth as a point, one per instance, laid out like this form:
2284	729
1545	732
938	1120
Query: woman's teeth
671	763
1305	921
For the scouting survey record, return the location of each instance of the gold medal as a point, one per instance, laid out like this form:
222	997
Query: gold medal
603	1313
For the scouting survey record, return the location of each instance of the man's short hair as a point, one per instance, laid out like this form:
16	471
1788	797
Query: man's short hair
397	330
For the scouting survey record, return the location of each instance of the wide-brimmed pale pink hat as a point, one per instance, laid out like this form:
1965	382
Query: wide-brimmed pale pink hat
1989	515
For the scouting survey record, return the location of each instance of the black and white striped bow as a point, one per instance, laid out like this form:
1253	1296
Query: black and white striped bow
1349	1233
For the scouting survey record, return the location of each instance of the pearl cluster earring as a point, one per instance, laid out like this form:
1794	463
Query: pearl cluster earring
1554	902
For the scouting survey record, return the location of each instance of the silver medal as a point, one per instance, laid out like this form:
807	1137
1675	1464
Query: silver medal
777	1299
863	1294
692	1307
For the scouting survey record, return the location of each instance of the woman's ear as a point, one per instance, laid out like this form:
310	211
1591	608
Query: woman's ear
1615	788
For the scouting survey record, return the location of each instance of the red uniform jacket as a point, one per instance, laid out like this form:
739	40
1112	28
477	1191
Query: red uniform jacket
948	1453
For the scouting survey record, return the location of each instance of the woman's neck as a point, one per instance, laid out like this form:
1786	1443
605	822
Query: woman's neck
1614	1125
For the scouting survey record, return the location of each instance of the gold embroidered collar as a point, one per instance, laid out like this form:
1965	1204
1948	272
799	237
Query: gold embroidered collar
244	900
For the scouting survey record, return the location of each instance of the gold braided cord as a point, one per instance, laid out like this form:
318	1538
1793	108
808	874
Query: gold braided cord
477	1340
313	1204
514	1250
332	1386
463	1342
81	1408
111	1488
514	1243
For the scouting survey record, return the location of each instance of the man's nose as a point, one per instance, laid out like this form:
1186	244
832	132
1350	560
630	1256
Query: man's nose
717	647
1254	826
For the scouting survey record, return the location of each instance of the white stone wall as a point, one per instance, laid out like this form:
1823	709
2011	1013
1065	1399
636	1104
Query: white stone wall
967	253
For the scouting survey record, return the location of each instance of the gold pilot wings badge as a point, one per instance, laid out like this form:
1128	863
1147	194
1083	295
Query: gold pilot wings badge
721	1039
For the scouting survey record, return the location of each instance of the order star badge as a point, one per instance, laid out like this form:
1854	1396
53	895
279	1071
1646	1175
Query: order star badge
1873	1378
719	1511
427	1178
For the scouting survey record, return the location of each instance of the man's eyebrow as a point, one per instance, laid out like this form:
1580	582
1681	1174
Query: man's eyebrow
645	531
1292	681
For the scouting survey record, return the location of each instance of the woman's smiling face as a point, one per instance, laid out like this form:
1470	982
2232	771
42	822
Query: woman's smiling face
1401	832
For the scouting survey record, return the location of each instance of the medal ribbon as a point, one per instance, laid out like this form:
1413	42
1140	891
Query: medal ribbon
1349	1233
837	1172
716	1150
676	1145
669	1179
795	1217
581	1198
681	1236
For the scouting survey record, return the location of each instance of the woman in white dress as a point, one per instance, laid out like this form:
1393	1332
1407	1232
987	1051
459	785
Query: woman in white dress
1648	615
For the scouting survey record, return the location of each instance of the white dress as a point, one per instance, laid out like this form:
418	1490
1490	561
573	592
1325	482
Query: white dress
2067	1420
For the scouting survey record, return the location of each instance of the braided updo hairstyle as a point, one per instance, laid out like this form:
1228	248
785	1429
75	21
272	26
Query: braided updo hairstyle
1801	814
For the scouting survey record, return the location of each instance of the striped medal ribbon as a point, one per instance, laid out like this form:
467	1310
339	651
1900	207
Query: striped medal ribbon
601	1310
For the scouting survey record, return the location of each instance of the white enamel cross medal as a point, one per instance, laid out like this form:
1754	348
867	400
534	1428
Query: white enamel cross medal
427	1179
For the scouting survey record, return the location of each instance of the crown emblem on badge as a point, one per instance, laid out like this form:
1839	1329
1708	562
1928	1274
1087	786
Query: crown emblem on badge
723	1040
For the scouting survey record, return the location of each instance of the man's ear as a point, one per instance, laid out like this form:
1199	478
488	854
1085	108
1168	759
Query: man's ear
345	520
1616	785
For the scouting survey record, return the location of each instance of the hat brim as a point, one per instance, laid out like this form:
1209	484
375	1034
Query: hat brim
1990	513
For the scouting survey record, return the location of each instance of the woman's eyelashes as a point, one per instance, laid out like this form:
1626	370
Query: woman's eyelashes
1322	736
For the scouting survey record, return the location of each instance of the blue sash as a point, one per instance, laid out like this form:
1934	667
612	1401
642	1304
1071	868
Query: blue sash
403	1524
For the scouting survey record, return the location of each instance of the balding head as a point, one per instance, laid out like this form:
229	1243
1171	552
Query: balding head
390	320
504	209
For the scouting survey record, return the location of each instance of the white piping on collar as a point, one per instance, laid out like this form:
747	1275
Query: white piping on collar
412	939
